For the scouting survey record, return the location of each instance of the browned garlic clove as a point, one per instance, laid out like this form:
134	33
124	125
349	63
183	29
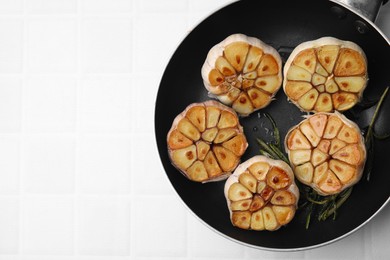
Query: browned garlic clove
261	194
336	155
206	141
325	75
242	72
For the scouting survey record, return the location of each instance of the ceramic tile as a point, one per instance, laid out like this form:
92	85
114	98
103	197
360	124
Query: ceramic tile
11	45
9	164
215	246
10	104
105	105
148	175
206	6
47	226
153	50
161	227
11	6
254	253
104	165
51	6
9	225
143	102
107	45
48	164
50	104
104	227
106	6
51	45
166	6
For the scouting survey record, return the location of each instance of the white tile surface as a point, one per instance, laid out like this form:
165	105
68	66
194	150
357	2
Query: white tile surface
9	164
163	232
148	46
51	6
105	104
104	165
104	226
214	247
47	225
11	30
107	45
106	6
48	164
9	225
51	45
147	178
10	104
80	177
166	6
11	6
49	104
143	122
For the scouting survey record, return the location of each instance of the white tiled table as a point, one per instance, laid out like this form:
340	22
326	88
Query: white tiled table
80	176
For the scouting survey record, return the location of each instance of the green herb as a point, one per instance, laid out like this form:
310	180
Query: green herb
323	206
273	150
371	135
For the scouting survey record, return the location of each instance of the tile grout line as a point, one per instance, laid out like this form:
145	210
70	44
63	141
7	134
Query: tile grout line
132	228
22	127
76	205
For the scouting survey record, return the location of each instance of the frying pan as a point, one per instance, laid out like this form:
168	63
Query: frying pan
283	26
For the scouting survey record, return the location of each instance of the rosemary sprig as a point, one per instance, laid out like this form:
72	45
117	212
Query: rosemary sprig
370	130
371	136
273	150
326	205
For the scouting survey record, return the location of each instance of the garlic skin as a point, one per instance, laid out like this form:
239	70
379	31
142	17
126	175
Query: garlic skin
261	194
206	141
242	72
325	75
327	152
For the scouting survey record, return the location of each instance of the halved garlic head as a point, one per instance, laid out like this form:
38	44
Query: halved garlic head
261	194
327	152
243	72
206	141
325	75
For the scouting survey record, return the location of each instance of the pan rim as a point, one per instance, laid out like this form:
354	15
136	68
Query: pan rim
272	249
351	9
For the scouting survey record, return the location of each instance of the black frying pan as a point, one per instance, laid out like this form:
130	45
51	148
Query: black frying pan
283	26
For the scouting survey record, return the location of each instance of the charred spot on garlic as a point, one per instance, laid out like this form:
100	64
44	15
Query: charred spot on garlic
261	194
333	156
325	75
243	72
206	141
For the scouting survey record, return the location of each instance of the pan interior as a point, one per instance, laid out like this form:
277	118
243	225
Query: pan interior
282	26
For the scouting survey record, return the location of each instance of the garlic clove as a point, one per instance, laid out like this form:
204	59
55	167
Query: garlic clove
336	69
238	65
177	140
236	53
264	188
196	141
337	159
197	172
350	63
307	60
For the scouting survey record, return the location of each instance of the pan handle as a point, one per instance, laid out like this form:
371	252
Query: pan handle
367	8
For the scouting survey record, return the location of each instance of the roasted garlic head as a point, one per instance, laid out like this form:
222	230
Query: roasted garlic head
206	141
243	72
327	152
261	194
325	75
